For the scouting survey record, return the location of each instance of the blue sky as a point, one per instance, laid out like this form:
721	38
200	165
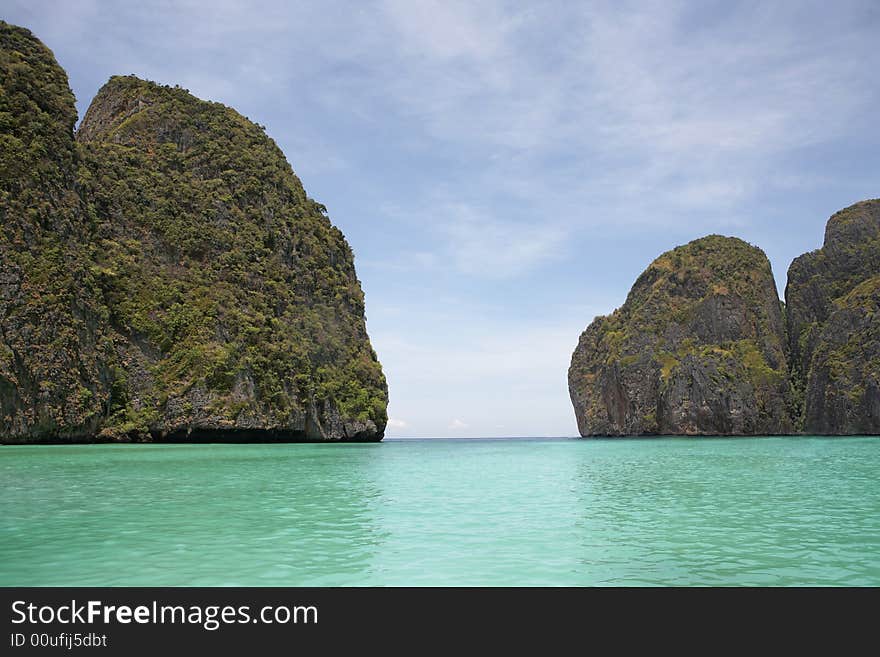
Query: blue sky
504	171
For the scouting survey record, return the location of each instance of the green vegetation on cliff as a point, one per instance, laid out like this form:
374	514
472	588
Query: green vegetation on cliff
52	354
698	348
237	290
832	322
215	296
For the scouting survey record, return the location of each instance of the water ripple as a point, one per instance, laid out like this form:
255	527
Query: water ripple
769	511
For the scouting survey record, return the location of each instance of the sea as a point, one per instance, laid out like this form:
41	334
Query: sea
797	511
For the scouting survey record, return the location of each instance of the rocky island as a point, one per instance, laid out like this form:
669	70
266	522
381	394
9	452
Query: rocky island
164	276
698	348
704	346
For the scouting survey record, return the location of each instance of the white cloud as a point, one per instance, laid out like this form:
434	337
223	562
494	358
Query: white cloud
457	425
638	115
481	244
473	240
448	29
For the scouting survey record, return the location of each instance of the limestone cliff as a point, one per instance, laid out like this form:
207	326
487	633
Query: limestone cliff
165	277
833	324
53	354
698	348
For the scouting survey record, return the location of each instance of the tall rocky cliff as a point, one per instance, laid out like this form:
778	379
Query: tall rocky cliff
833	298
697	349
53	352
164	276
701	347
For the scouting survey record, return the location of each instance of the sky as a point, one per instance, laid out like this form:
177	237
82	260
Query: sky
504	170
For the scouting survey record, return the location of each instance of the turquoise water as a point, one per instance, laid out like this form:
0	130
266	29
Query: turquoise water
774	511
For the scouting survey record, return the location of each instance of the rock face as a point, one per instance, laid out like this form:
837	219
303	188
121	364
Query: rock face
698	348
53	374
833	325
165	276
